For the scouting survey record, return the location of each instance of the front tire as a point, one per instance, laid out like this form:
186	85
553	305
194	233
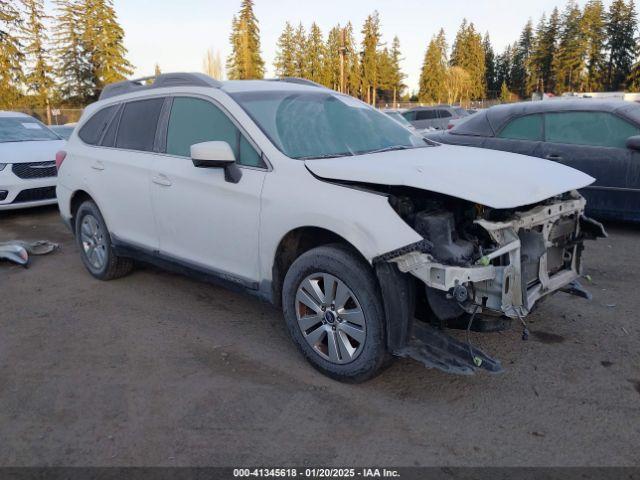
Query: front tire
95	245
333	310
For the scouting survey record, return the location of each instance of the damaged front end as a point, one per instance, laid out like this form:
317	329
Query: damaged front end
495	264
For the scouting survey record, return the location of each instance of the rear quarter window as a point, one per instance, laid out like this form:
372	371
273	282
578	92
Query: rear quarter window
91	132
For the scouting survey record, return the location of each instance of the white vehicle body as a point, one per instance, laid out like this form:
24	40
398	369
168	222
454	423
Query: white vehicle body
159	205
27	168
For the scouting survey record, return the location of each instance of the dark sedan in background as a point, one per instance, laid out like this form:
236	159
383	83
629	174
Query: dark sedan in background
600	138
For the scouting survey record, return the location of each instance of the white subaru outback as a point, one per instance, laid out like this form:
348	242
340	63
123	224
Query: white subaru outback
371	239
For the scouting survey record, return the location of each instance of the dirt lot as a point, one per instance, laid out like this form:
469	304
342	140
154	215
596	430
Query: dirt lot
158	369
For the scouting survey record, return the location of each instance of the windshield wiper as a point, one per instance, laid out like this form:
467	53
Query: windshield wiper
326	155
392	148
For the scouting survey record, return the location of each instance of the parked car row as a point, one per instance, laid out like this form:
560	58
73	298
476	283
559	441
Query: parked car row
366	234
368	229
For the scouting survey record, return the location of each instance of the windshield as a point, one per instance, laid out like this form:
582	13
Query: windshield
24	129
461	112
306	125
397	116
64	132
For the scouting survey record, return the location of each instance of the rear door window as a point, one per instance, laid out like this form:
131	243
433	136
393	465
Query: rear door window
91	132
426	114
597	129
410	116
194	120
523	128
444	114
138	124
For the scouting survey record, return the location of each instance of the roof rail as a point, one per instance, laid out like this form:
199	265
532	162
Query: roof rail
300	81
160	81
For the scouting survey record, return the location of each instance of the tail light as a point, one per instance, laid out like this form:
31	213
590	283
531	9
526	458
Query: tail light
60	156
450	126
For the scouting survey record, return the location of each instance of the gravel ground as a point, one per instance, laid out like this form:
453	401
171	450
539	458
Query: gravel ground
159	369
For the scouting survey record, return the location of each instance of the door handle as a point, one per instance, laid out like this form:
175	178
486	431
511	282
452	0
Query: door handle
161	179
553	156
98	166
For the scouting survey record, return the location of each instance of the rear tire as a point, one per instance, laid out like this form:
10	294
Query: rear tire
344	339
95	245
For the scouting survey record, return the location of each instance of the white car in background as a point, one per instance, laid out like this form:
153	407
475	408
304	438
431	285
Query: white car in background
27	162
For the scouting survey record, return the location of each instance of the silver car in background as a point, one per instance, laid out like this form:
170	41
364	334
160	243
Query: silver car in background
437	117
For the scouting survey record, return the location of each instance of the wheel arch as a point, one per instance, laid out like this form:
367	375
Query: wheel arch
294	244
78	198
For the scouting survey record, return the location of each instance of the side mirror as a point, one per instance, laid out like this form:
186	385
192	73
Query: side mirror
216	155
633	143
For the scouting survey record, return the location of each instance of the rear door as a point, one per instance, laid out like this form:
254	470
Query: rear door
120	172
595	143
521	135
203	220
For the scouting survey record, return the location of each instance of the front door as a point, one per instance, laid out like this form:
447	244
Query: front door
204	220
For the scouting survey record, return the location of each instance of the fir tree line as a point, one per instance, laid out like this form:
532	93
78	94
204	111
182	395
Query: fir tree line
72	65
369	70
576	50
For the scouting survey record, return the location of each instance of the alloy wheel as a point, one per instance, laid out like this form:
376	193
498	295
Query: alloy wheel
93	242
330	318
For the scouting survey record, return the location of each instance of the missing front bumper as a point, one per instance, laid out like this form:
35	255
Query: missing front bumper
538	253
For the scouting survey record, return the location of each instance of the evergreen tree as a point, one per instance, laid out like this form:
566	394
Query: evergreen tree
544	51
505	95
397	75
385	76
245	61
300	50
521	67
622	26
434	71
103	40
594	28
11	56
72	66
332	58
316	53
353	81
490	65
504	66
369	56
39	78
468	54
285	65
569	63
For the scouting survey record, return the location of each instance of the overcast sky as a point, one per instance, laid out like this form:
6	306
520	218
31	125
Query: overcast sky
176	34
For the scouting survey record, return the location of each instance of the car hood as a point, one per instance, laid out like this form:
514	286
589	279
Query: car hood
488	177
25	152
